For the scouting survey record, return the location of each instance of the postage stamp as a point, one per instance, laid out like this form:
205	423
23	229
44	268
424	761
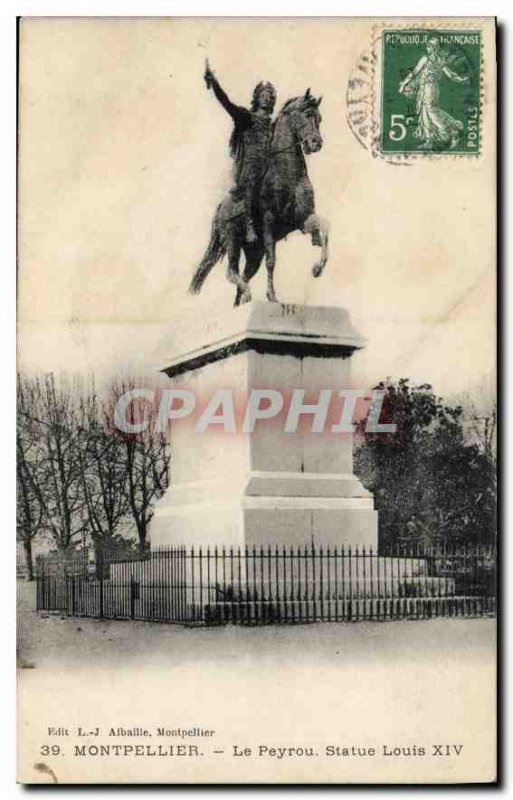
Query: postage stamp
430	92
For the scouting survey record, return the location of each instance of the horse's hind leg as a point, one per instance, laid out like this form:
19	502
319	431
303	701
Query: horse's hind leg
232	272
319	228
270	256
253	260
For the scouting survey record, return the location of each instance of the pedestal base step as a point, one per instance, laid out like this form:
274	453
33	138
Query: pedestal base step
354	610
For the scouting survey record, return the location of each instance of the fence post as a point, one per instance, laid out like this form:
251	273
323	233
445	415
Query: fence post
101	596
40	588
132	597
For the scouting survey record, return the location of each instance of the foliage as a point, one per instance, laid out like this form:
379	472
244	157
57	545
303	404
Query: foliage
430	484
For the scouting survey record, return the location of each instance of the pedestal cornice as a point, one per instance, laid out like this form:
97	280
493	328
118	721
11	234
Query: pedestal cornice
302	331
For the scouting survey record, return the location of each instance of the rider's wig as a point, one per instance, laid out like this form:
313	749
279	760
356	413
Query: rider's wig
258	89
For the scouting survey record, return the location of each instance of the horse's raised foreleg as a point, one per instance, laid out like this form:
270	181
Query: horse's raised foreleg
270	256
319	229
232	273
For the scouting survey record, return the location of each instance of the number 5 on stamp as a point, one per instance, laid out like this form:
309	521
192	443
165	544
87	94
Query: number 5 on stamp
430	92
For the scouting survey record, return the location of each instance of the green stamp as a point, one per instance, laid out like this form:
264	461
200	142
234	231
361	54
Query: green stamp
430	91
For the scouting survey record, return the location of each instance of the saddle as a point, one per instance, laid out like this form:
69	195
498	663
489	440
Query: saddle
234	206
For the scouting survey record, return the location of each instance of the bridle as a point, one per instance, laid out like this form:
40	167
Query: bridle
295	144
284	149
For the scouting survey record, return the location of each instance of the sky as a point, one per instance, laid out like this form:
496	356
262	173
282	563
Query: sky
124	158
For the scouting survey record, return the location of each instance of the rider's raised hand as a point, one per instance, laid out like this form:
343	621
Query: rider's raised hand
209	75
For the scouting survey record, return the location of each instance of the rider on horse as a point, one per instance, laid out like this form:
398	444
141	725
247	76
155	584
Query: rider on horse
249	143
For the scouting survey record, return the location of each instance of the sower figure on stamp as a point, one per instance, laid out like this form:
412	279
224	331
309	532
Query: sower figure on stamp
435	126
249	142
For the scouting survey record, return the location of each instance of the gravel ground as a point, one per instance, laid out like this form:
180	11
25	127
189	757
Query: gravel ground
389	683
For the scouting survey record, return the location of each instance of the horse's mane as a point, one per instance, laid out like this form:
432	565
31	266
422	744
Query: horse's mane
301	102
287	104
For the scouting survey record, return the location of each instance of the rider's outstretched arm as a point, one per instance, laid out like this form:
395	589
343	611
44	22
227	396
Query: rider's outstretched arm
237	113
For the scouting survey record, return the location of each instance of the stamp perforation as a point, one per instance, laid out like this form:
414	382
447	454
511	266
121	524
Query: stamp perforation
376	61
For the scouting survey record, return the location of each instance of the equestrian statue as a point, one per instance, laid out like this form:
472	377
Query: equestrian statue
271	195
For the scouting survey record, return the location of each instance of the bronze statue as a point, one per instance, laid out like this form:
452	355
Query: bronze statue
272	194
249	143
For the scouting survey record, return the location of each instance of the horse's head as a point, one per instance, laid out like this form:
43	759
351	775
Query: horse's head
305	118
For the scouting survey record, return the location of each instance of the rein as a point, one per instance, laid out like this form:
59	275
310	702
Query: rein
284	149
296	143
292	146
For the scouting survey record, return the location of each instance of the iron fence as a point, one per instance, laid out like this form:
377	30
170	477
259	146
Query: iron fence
270	585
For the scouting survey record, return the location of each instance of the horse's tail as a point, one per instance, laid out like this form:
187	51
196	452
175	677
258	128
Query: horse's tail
214	253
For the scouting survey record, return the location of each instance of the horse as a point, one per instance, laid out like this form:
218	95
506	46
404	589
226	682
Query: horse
285	204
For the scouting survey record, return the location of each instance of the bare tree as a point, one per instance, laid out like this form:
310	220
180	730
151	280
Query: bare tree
30	515
480	418
483	426
103	471
55	473
146	459
79	475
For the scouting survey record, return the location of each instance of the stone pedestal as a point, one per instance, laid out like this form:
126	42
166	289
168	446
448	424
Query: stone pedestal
267	487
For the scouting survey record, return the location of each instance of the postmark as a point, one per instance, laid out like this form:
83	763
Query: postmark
359	100
429	92
361	103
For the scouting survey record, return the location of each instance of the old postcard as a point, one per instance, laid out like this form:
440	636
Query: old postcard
256	435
